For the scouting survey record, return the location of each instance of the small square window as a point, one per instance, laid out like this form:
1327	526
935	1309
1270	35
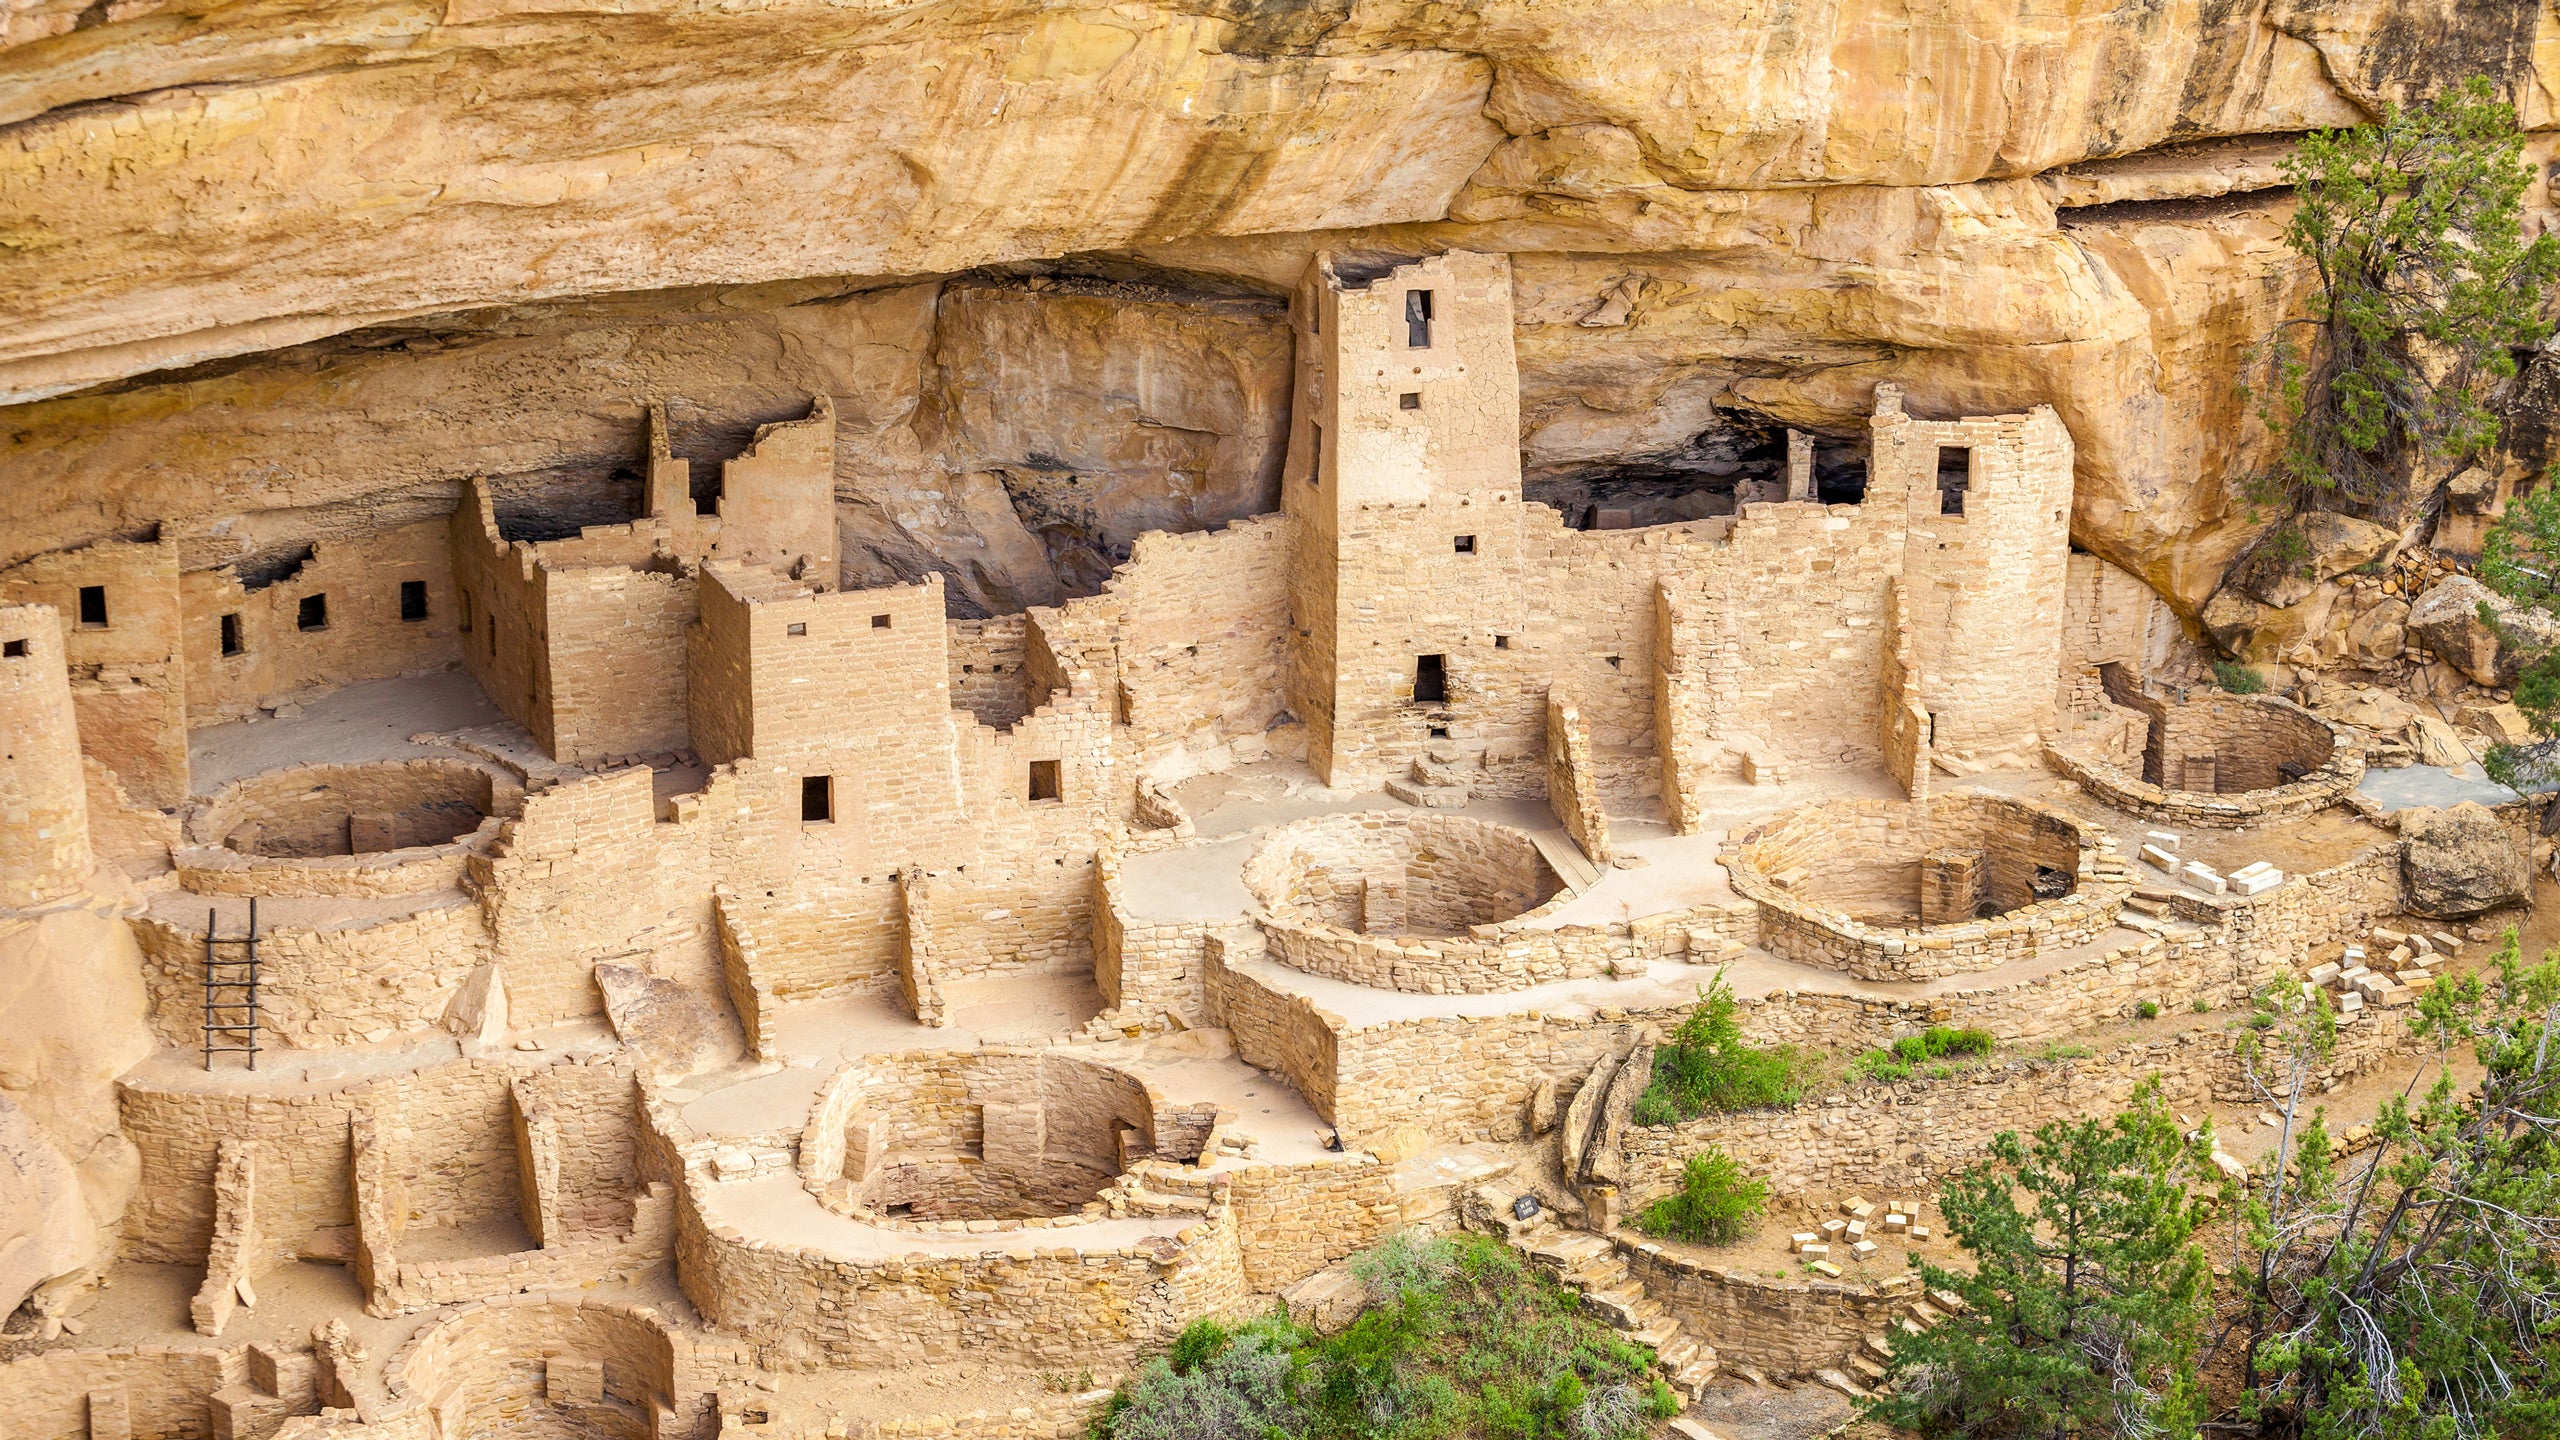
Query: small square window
817	799
13	649
1409	400
413	599
231	635
879	622
795	628
313	613
1466	545
1439	732
1501	642
1044	780
93	607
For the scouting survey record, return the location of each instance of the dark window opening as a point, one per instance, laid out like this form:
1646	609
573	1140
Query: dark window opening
1315	450
2050	883
900	1209
1430	679
879	622
466	612
1044	780
796	628
1839	479
413	599
313	614
231	635
1955	476
1466	545
1417	319
1501	642
493	639
13	649
1439	732
93	607
1409	400
817	799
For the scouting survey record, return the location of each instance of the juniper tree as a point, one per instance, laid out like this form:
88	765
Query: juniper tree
2424	290
2411	1293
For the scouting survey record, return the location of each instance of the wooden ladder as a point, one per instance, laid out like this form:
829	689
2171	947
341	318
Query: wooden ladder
231	989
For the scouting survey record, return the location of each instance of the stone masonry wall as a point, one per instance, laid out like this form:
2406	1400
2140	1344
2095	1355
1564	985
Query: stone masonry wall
367	635
165	1390
390	970
128	674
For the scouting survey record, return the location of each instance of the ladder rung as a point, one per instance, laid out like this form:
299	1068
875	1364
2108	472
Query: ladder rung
227	1029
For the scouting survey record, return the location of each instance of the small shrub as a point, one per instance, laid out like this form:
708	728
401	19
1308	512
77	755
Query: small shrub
2199	1007
2238	679
1910	1054
2148	1009
1707	1065
1715	1204
1461	1339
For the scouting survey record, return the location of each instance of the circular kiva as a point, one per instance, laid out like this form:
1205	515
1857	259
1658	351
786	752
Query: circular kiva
1897	890
2224	761
525	1368
1377	872
312	812
952	1140
378	828
1431	904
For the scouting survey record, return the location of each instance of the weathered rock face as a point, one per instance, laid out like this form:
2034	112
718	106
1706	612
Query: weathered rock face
2460	861
2305	549
71	985
1758	233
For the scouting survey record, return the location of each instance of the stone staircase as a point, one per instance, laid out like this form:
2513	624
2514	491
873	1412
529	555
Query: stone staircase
1867	1363
1158	1188
1435	783
1590	1264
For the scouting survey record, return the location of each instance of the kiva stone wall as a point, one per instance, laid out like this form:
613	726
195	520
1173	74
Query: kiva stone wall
164	1392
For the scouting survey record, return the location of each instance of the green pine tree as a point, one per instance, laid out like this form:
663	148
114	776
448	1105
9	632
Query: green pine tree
2087	1302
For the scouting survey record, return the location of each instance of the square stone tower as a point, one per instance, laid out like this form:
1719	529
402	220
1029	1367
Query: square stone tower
1986	560
1404	476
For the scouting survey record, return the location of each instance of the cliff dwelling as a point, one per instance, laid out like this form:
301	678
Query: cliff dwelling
806	770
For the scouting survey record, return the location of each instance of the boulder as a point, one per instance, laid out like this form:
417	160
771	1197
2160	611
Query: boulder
1605	1161
2377	636
2306	549
1583	1110
2503	723
2460	860
2375	712
2447	619
478	1011
2473	492
675	1031
2438	744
